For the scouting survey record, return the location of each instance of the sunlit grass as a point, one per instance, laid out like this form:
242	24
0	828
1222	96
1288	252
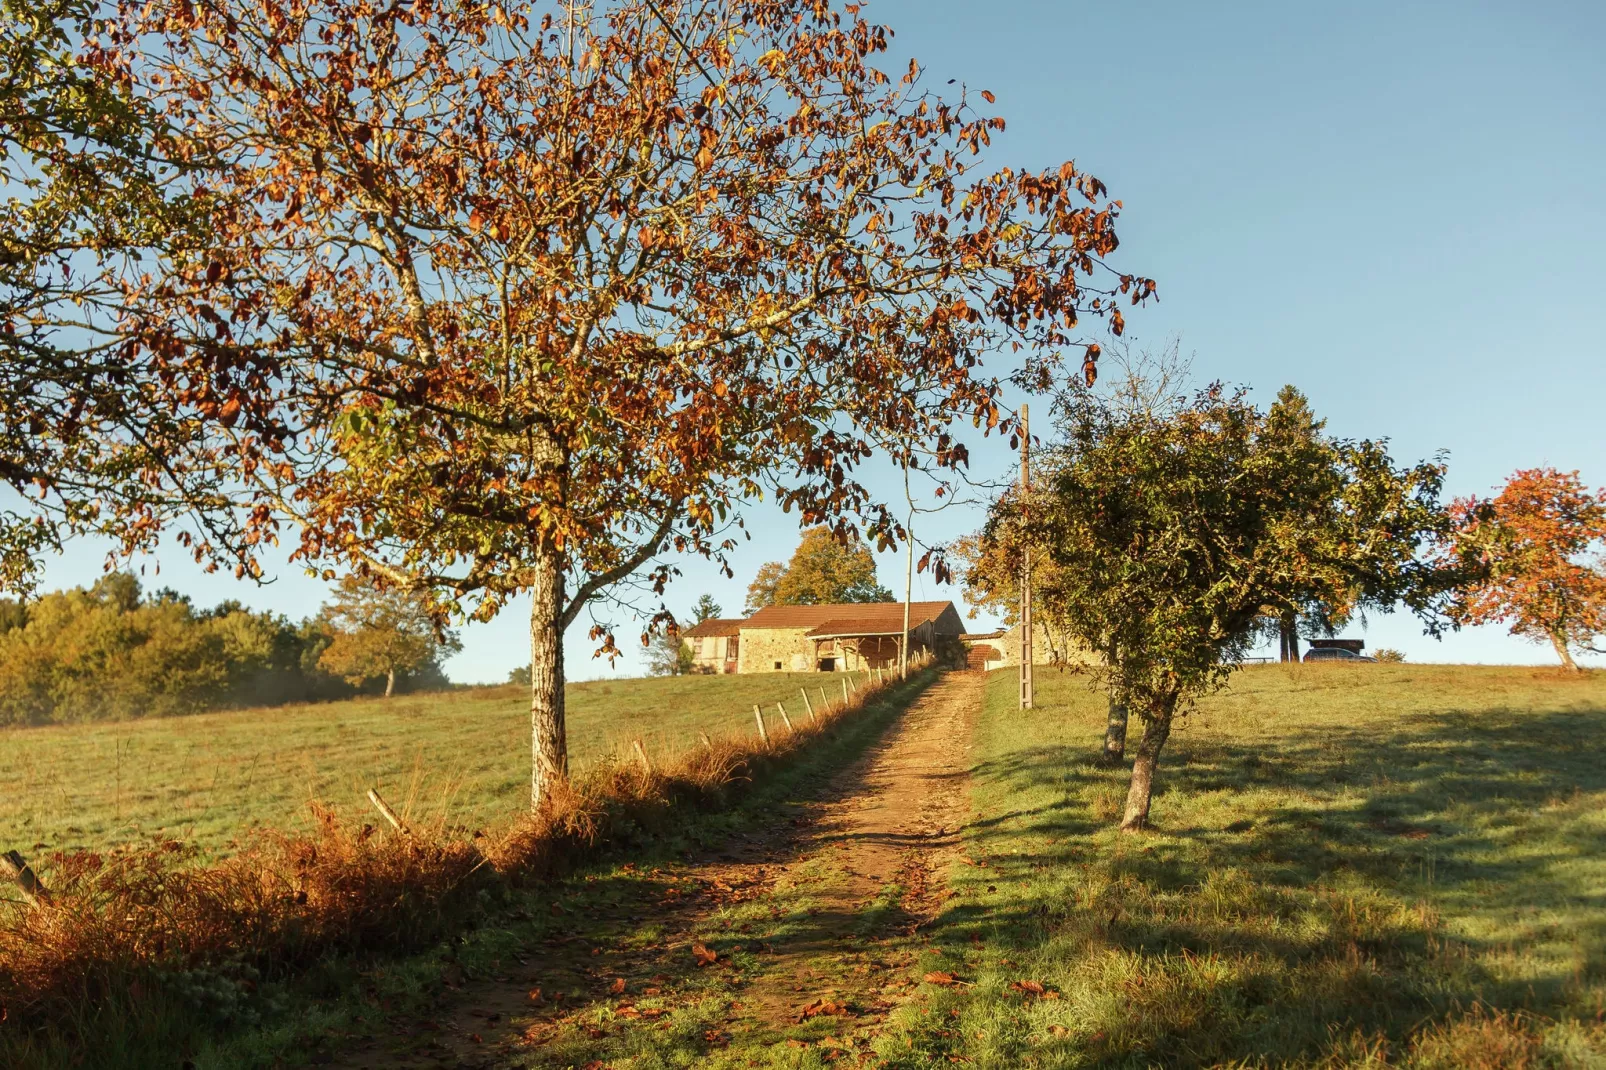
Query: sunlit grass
460	757
1352	866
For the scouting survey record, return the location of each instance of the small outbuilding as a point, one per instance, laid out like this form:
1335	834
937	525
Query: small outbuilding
715	644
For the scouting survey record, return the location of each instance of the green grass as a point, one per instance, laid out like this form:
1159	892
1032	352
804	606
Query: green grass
1351	866
460	757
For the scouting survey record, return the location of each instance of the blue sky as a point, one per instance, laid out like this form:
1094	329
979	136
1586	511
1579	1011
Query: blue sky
1395	206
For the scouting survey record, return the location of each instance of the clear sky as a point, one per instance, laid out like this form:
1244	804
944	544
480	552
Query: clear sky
1397	207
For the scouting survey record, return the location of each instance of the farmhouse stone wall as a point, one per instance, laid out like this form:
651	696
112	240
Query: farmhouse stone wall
760	649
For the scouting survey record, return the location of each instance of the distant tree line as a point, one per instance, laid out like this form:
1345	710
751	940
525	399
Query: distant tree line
112	652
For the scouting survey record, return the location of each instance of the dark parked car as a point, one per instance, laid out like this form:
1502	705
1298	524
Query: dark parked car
1336	654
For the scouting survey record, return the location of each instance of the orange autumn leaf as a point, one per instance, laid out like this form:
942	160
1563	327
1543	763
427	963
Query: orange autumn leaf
704	955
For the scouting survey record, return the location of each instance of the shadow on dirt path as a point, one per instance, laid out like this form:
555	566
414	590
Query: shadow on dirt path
800	934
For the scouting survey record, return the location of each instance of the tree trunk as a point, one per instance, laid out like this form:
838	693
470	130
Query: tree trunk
1559	641
390	682
1115	728
549	746
1156	727
1115	733
1290	636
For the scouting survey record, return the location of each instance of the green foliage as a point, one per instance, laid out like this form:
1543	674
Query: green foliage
110	653
380	634
823	570
705	608
1171	526
1389	655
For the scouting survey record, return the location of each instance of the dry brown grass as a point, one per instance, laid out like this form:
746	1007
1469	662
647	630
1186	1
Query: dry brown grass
119	926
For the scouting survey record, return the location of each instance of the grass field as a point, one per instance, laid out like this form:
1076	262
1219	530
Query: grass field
1352	866
460	757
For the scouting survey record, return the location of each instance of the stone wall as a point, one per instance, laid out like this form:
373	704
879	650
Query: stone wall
761	649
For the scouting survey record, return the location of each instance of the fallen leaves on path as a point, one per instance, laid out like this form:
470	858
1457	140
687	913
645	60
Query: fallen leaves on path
941	977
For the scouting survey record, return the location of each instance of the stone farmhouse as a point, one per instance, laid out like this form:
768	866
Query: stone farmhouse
844	637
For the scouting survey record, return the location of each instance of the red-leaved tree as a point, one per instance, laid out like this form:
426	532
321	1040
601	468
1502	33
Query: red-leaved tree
557	287
1539	546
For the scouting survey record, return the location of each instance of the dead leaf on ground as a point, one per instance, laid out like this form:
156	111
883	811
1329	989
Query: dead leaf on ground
535	996
940	977
716	1038
819	1007
703	955
618	986
1031	988
1059	1030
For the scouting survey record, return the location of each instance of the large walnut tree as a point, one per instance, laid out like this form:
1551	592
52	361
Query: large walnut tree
557	288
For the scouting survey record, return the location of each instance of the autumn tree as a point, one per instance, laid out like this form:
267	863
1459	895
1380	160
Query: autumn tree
1172	528
761	592
989	565
382	633
99	433
555	288
1538	545
822	571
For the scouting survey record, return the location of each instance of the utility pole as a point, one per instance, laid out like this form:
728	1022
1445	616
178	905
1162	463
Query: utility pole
908	576
1026	565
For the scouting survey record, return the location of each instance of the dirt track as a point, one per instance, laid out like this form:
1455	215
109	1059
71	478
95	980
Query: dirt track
819	909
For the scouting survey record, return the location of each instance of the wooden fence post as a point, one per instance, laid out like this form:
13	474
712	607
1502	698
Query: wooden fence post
763	733
384	809
641	756
825	703
785	718
808	705
17	869
845	699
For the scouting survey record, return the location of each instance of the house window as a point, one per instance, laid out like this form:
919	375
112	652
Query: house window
777	665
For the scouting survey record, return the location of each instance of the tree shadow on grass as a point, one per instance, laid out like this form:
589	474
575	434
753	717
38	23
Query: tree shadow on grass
1351	879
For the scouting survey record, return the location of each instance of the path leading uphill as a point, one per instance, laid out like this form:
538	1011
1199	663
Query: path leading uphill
804	933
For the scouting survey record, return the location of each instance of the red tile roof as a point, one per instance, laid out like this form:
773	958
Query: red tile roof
879	617
713	626
851	626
